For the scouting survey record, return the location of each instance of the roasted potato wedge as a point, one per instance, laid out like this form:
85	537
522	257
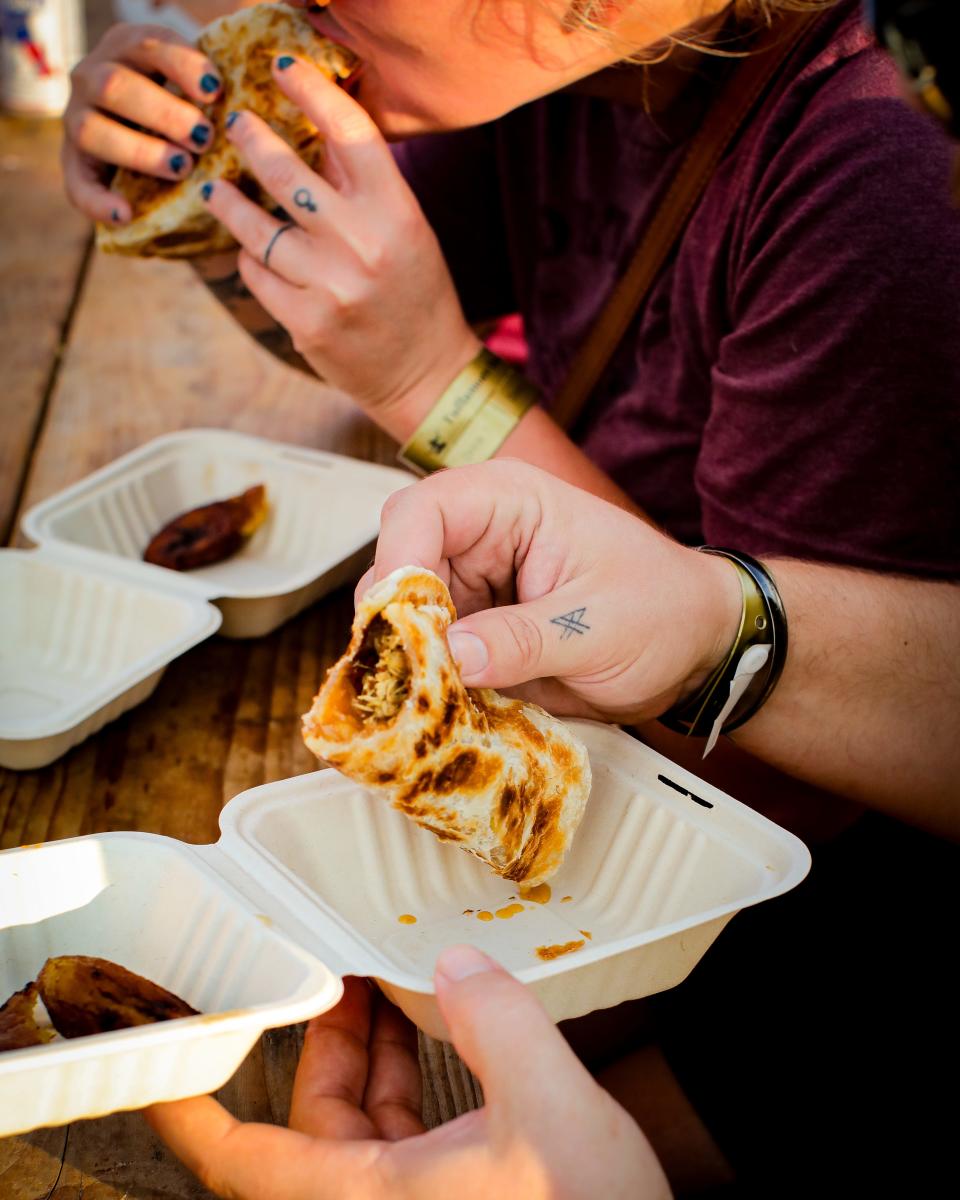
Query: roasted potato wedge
86	995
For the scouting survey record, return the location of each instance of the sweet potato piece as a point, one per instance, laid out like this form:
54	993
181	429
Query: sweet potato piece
18	1021
92	995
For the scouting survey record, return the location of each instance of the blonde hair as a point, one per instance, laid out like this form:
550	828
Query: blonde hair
749	14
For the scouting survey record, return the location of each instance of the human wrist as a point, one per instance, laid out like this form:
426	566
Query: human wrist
749	672
401	414
472	418
715	619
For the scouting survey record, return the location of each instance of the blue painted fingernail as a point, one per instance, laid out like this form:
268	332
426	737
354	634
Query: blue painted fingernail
280	213
206	191
284	61
209	83
178	162
200	134
231	117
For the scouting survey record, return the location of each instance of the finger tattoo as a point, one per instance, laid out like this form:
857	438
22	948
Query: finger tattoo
303	199
571	622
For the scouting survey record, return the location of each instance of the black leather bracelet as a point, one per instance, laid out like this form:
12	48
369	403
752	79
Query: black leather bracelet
757	696
763	623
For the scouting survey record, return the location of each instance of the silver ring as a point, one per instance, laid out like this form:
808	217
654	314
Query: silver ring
270	244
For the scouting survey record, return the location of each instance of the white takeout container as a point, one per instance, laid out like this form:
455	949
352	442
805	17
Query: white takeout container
87	627
307	884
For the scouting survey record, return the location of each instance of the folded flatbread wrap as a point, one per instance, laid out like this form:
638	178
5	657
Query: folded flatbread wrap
498	777
170	219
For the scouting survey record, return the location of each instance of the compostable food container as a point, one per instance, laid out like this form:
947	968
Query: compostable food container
313	879
87	627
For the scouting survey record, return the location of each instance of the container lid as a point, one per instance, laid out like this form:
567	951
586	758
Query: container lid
323	507
73	639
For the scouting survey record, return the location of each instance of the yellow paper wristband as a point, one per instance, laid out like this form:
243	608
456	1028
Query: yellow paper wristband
473	417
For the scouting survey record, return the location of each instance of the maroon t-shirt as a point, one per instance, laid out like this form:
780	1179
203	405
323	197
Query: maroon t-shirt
792	383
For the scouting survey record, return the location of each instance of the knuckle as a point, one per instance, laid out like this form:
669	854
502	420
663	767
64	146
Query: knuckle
117	35
81	128
526	637
156	37
280	176
409	224
147	155
351	125
393	504
78	76
377	257
348	309
105	83
305	336
246	267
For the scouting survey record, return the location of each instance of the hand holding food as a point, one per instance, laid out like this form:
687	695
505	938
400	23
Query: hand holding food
546	1129
169	218
559	591
118	114
497	777
350	268
208	534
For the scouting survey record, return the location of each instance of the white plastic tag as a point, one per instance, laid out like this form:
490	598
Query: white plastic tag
750	663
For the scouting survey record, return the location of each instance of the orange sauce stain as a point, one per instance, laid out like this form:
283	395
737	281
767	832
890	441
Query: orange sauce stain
509	911
565	899
587	934
540	893
483	915
407	919
548	953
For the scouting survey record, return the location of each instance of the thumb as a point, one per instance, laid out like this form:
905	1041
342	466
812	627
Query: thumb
503	1034
501	647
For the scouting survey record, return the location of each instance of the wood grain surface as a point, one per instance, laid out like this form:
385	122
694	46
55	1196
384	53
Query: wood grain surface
42	255
149	351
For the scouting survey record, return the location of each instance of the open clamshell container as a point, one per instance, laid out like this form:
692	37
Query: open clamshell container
87	627
308	883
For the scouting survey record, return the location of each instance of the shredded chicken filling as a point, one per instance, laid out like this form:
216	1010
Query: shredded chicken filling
384	673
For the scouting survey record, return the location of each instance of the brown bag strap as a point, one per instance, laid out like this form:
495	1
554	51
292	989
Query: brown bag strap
736	99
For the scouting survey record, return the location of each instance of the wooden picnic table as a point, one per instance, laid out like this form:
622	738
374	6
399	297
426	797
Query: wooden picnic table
99	355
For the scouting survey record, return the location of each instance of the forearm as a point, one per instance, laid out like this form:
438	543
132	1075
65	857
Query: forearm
869	701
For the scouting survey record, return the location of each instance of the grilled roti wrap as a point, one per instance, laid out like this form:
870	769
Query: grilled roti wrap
498	777
170	219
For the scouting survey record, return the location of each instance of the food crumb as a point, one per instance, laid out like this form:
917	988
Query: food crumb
483	915
548	953
587	934
468	911
509	911
407	919
565	899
